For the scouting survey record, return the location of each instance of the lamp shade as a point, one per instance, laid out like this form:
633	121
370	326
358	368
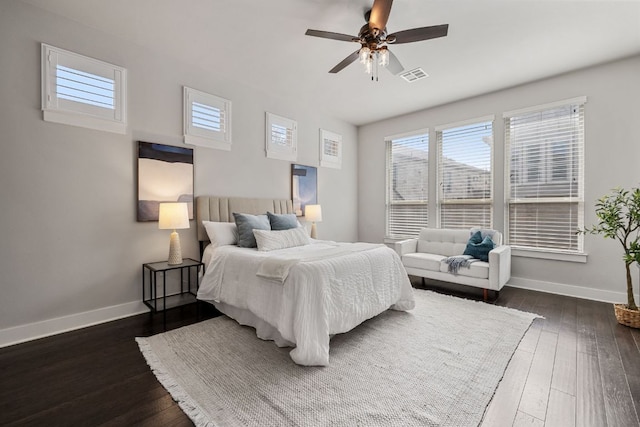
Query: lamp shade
313	213
173	216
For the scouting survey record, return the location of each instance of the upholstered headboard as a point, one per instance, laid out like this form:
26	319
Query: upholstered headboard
221	209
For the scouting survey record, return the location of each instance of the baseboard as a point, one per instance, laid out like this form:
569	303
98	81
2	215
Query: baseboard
570	290
45	328
32	331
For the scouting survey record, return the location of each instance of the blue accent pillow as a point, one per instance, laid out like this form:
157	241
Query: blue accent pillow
480	250
476	237
246	223
282	221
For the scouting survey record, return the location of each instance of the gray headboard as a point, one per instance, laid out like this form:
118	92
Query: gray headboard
220	209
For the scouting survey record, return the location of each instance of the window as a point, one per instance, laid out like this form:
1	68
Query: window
281	138
207	120
407	184
330	149
465	174
545	186
82	91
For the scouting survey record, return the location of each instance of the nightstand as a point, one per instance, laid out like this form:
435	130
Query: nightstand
162	302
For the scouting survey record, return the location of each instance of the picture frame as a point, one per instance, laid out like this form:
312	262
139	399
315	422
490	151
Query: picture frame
304	187
165	174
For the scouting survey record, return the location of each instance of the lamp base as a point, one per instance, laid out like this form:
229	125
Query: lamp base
175	253
313	230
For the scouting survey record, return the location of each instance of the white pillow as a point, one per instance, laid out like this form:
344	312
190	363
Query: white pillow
270	240
221	233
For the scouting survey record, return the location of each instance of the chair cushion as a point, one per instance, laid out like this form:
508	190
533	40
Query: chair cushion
425	261
441	241
478	270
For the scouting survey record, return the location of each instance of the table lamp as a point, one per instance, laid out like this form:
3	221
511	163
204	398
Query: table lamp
174	216
313	213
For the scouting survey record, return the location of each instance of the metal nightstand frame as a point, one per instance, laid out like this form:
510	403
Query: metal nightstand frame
185	296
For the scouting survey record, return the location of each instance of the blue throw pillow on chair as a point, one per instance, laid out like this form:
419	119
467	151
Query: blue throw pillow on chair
476	237
479	250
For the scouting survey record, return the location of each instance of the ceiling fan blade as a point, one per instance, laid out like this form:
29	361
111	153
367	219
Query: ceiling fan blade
395	67
346	61
380	14
418	34
330	35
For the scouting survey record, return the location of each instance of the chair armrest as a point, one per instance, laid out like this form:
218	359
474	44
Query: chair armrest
499	266
404	247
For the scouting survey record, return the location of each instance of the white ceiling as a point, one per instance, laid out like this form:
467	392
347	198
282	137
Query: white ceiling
491	44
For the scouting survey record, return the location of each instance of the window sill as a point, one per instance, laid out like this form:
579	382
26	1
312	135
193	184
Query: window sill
80	120
207	142
556	256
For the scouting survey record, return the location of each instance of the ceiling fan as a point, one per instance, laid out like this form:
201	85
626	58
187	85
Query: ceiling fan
374	40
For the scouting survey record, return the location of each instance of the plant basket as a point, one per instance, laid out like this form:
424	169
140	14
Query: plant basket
627	317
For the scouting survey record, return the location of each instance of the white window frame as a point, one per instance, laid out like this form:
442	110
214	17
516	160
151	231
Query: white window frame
330	149
202	136
575	255
422	204
442	201
278	151
57	109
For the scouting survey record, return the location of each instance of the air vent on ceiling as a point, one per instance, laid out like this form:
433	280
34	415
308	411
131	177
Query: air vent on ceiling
413	75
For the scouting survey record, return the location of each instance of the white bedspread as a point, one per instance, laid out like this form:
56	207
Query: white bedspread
323	293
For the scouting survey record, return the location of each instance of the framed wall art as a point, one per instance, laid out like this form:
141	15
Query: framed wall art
304	187
165	174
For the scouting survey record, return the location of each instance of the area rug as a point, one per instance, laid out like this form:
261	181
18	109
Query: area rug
436	365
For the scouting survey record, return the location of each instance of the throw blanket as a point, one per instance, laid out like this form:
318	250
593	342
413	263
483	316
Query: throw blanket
277	267
455	262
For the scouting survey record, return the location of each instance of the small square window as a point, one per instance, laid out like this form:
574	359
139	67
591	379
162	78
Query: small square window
330	149
281	138
82	91
207	120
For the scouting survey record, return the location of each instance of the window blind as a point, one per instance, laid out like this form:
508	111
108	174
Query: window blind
545	187
407	172
207	117
281	135
465	175
79	86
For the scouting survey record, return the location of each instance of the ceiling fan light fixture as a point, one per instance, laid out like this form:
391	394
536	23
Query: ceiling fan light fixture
383	55
364	55
373	40
368	65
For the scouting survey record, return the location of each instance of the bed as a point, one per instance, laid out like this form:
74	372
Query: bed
297	296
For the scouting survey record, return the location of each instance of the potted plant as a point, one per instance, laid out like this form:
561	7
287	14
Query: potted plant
619	218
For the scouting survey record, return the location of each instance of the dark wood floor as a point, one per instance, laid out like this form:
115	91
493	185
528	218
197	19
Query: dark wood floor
576	367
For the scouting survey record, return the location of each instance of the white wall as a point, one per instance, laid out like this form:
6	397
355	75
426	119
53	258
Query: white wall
71	250
612	158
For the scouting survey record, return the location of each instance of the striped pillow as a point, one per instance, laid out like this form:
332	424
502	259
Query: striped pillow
270	240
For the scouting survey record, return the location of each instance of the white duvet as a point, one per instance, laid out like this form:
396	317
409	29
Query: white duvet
312	292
